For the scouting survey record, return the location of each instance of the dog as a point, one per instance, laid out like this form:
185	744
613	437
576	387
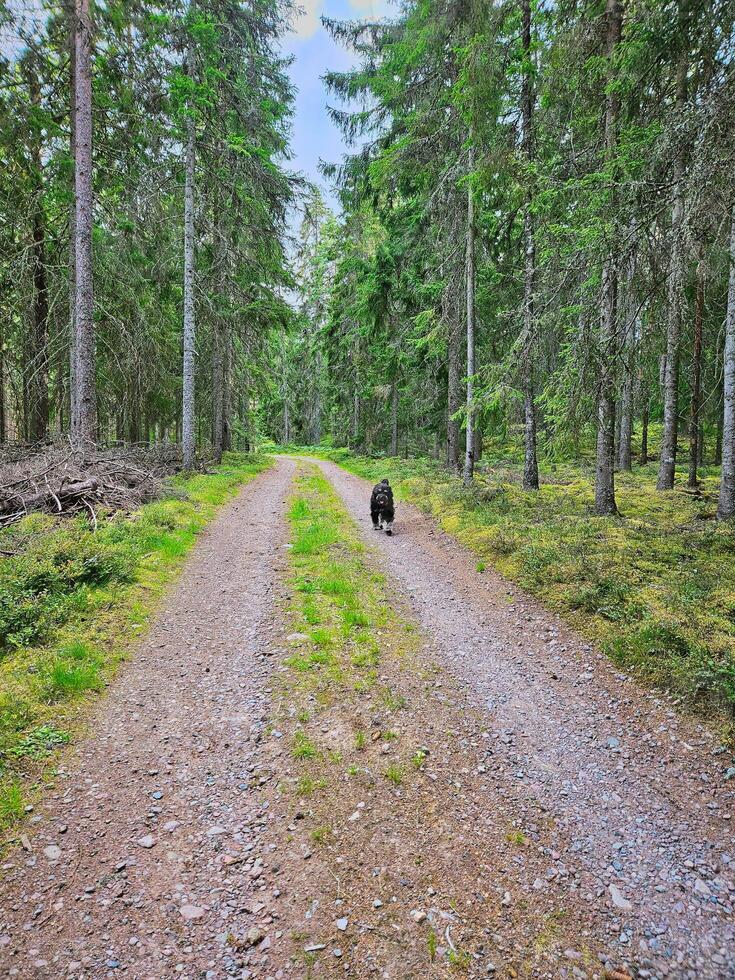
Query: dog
382	510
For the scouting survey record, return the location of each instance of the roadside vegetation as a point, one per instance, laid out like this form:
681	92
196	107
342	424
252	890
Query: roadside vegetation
654	587
73	599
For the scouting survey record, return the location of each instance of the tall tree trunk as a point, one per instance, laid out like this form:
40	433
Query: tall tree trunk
530	464
676	303
86	394
2	384
605	471
643	458
394	420
625	443
630	343
227	390
38	405
454	387
695	434
726	507
218	378
73	408
188	434
469	460
37	363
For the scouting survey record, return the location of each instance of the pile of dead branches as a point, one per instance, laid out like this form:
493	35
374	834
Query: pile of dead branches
60	479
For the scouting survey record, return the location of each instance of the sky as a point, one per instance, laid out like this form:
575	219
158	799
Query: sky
315	136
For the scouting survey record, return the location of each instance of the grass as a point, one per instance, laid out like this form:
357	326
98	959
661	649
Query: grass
335	664
655	587
72	602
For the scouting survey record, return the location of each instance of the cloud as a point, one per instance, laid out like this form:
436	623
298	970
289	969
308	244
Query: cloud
370	8
306	19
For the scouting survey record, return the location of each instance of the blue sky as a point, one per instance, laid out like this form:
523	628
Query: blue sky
315	136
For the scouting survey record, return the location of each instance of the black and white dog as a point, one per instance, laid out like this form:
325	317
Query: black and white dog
382	510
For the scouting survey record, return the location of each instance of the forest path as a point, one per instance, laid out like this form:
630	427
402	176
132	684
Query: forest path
636	791
561	814
132	845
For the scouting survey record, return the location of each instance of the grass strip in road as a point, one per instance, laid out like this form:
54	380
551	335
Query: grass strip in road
654	588
342	624
71	603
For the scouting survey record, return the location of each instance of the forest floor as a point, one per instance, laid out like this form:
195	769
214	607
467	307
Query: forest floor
341	754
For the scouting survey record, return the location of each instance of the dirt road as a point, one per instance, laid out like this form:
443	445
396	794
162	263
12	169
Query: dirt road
168	849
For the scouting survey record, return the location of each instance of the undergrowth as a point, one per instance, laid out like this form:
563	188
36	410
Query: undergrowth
655	588
71	602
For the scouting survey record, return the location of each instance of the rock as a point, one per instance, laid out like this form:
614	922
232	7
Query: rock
191	912
315	947
52	852
377	904
613	742
337	952
342	923
619	900
254	935
730	773
171	825
216	831
701	888
147	842
417	915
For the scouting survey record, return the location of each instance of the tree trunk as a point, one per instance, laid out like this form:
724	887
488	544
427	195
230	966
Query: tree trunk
73	409
187	412
454	388
394	420
643	458
694	427
625	448
676	302
726	507
625	433
86	395
2	385
38	401
37	364
469	461
530	465
605	471
218	378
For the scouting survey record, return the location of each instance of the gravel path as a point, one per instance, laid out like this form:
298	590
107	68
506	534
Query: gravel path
134	862
169	845
638	792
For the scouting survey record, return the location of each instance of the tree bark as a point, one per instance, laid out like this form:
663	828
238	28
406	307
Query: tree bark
394	420
605	471
454	388
530	465
726	506
469	461
625	434
73	410
84	381
188	436
695	435
38	402
37	362
676	302
643	458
